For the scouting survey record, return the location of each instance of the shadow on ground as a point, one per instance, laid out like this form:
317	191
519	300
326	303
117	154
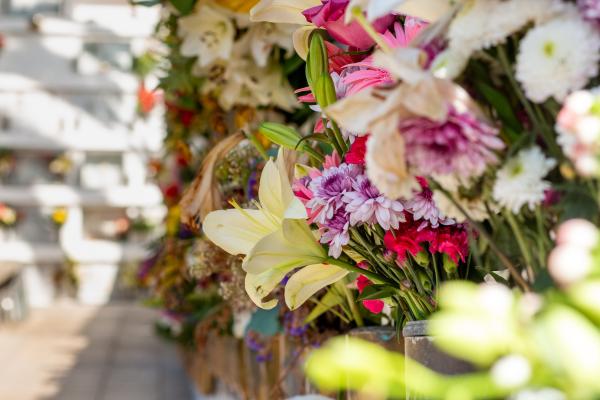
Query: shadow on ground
73	352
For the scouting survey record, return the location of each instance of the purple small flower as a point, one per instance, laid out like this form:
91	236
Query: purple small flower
461	144
590	11
335	232
329	189
422	206
367	205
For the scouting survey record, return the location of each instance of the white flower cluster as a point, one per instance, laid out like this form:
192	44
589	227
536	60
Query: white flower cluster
520	181
238	70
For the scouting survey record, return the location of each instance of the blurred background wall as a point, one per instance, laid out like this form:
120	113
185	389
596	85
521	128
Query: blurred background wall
76	207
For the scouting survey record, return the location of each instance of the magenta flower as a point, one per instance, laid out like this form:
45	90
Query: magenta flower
366	205
330	15
461	144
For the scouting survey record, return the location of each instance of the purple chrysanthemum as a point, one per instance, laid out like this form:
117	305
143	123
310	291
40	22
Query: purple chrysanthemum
461	144
590	10
422	207
329	189
335	232
366	204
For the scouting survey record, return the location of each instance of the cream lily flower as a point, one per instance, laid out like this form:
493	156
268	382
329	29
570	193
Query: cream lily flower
207	34
287	12
276	240
238	230
427	10
293	246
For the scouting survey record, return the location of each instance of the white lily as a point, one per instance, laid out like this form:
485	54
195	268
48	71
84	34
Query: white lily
276	240
287	12
207	34
427	10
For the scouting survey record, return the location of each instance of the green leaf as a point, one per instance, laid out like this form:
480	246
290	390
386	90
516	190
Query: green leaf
331	299
375	292
183	6
146	3
578	204
501	104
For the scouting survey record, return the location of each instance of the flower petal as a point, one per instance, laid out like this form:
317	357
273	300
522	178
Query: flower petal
237	231
301	40
308	281
282	11
259	286
291	246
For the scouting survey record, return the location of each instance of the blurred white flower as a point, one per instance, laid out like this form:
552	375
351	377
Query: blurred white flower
511	371
484	23
572	260
578	127
520	180
558	57
539	394
207	34
263	36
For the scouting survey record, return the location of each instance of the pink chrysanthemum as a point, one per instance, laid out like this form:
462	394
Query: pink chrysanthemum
461	144
422	207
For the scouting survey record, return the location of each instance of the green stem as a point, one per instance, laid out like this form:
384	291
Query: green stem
514	271
437	276
339	137
521	242
376	278
352	304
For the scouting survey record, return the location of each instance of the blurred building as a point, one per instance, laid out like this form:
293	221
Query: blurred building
75	202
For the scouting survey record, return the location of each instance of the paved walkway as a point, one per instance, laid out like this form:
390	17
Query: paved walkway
73	352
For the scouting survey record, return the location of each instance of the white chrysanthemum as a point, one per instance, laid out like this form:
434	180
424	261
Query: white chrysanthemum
484	23
557	58
520	181
207	34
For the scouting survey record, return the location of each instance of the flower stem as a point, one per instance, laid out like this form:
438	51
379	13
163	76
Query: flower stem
352	304
514	271
521	243
352	268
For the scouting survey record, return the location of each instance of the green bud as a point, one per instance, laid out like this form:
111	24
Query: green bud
422	258
425	282
449	266
280	134
317	63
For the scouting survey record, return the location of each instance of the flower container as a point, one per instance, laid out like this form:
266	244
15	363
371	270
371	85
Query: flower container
419	346
386	336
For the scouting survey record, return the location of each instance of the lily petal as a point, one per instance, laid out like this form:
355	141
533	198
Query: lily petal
427	10
308	281
237	231
282	11
301	40
292	246
259	286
